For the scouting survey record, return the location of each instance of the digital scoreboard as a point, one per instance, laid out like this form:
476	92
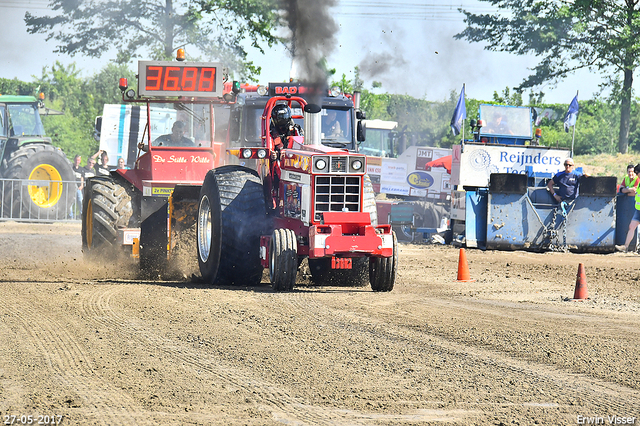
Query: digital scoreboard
191	79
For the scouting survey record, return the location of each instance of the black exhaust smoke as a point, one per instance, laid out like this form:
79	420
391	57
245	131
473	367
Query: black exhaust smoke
313	33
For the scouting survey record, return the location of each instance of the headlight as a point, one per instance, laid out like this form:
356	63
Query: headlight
130	93
262	90
356	165
335	91
262	153
321	164
246	153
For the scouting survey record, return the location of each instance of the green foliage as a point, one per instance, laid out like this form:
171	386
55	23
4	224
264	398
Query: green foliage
215	28
506	98
568	36
423	122
17	87
427	123
80	99
67	92
104	84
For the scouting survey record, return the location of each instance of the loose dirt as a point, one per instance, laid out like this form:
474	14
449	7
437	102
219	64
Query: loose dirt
96	345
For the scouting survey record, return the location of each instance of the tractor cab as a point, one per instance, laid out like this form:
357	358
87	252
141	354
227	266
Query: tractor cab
339	123
176	124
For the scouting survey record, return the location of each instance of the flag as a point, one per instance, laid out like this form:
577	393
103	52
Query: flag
572	114
459	114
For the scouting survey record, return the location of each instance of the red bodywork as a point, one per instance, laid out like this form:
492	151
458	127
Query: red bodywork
166	166
335	234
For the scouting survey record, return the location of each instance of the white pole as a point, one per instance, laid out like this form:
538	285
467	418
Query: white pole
465	108
573	137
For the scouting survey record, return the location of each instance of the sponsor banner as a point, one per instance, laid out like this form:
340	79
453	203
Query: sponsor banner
420	180
474	166
165	192
374	166
414	192
424	155
182	159
394	189
393	172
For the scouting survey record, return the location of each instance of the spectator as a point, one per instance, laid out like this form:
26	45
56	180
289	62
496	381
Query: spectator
121	164
567	182
102	168
78	171
89	169
636	216
630	182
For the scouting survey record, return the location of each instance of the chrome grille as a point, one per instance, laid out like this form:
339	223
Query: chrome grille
336	194
338	164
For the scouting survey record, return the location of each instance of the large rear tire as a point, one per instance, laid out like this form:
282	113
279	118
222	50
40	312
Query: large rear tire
107	207
53	193
231	218
383	270
283	259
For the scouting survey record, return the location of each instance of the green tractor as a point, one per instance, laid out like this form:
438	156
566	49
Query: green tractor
37	180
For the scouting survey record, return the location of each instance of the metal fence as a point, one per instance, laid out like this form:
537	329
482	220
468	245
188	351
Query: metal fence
33	200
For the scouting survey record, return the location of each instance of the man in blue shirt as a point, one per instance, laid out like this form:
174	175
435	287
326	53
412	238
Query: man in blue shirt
567	182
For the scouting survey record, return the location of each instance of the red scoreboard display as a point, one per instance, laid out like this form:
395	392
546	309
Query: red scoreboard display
192	79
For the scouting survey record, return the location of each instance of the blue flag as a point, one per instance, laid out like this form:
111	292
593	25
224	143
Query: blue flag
572	114
459	114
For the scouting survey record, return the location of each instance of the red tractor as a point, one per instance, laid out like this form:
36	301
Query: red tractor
303	201
314	201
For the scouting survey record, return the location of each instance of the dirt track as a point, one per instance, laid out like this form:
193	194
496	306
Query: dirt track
94	344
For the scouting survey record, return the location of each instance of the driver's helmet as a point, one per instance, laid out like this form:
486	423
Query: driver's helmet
281	116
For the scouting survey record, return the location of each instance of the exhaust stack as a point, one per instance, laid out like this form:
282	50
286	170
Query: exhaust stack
312	124
356	100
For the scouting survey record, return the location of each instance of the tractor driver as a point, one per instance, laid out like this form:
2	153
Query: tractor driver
176	138
283	126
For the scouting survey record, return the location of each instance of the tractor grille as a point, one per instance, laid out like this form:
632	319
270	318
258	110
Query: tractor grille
336	194
338	164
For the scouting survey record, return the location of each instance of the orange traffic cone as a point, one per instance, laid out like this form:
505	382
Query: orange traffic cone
463	268
581	292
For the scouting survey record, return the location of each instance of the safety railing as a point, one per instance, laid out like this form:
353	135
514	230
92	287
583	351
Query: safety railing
35	200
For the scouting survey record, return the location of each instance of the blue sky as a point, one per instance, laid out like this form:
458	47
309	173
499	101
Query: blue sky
408	46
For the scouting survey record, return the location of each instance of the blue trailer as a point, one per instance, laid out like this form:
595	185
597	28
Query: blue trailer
500	199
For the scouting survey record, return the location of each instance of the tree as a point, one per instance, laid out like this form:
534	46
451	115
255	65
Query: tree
67	92
568	35
104	84
156	28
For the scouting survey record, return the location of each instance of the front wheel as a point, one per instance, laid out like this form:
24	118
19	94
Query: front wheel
383	270
283	259
49	183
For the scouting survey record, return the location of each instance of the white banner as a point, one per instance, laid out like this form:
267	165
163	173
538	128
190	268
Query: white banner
474	165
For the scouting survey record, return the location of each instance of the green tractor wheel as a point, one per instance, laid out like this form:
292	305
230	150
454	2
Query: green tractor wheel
40	185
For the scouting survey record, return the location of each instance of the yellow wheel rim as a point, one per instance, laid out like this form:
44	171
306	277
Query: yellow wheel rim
50	193
88	226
